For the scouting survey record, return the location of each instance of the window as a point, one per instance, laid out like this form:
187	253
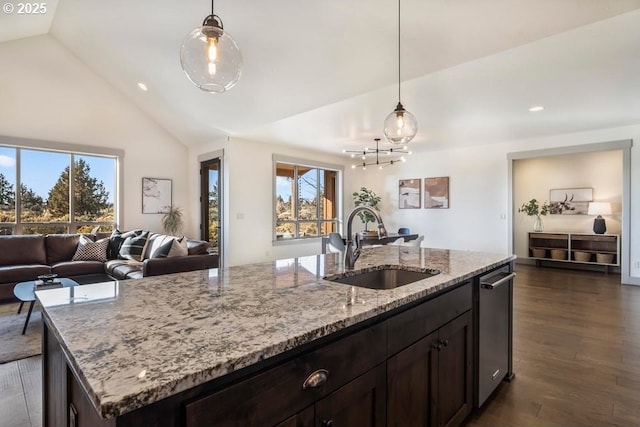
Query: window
306	203
59	192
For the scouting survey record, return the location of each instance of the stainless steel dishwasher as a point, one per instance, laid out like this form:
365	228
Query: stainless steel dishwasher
494	329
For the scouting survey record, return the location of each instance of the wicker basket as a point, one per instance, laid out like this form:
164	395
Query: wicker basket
604	258
559	254
539	253
582	256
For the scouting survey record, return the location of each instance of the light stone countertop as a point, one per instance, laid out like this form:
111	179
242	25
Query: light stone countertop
134	342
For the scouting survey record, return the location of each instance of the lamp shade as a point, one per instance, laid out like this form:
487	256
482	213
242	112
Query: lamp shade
210	57
599	208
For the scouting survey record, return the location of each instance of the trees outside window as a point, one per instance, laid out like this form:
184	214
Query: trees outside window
47	203
305	201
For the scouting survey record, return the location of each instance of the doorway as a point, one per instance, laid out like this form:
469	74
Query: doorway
210	202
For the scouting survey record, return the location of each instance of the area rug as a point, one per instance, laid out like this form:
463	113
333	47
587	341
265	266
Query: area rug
14	345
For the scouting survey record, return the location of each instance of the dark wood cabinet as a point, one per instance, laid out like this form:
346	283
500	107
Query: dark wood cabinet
360	403
430	383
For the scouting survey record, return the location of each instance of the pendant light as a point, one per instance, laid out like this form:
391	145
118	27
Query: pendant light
400	126
377	152
210	57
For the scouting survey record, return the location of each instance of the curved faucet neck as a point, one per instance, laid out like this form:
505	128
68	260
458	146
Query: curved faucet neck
351	253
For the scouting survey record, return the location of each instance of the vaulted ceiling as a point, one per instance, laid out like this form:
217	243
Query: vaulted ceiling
322	74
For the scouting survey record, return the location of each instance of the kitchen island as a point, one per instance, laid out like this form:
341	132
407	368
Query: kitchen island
263	344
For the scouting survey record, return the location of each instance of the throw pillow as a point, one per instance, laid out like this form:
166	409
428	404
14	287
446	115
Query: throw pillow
133	247
179	247
158	246
89	250
116	240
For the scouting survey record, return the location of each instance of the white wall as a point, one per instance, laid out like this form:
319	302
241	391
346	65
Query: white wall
248	171
478	192
532	178
46	93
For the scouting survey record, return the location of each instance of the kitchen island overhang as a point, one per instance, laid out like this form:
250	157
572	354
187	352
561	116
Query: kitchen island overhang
153	338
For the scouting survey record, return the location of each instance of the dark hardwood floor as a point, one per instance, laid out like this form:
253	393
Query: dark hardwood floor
576	352
576	357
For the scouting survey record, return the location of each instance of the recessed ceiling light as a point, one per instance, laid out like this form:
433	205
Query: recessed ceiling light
536	108
142	86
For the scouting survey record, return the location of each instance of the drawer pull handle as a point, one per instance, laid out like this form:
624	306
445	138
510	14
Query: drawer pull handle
316	379
327	423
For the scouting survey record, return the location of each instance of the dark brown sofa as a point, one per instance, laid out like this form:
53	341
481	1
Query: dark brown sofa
24	257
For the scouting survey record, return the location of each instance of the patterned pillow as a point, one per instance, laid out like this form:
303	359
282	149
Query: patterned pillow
116	240
158	246
89	250
133	247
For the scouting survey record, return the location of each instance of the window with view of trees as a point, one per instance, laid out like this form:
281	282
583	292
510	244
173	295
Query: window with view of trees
305	201
58	192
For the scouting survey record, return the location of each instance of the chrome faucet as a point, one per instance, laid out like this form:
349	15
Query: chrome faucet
352	253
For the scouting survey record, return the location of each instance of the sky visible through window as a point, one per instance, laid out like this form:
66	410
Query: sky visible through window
41	169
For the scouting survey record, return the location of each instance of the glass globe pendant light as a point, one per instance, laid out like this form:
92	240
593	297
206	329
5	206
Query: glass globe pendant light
210	57
400	126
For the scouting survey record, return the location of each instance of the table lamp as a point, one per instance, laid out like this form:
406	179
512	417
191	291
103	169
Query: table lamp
599	208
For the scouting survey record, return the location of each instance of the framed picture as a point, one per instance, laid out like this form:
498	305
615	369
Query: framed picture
570	201
156	195
436	193
409	193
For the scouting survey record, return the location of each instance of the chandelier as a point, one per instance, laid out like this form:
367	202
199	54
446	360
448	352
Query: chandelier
377	152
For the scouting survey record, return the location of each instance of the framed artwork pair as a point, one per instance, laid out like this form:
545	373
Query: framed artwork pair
436	193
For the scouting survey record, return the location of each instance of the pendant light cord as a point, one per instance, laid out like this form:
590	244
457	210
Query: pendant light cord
211	7
399	77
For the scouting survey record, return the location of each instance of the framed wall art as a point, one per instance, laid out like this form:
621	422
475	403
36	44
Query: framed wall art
570	201
409	193
156	195
436	193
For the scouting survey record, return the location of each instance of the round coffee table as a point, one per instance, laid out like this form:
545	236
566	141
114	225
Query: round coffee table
25	292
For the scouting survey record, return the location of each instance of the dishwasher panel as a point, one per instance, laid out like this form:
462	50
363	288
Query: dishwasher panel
494	331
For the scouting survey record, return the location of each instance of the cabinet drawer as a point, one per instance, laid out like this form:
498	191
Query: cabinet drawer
272	396
417	322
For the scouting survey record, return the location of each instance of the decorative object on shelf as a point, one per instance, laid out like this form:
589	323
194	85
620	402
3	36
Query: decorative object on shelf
558	254
156	195
570	201
582	256
210	57
533	208
377	151
400	126
409	193
172	221
599	208
436	193
366	197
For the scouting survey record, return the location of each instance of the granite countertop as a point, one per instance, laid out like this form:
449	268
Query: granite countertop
134	342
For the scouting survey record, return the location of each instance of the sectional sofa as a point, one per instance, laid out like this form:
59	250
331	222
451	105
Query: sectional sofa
90	258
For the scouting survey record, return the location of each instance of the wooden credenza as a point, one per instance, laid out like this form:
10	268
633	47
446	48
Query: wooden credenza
580	248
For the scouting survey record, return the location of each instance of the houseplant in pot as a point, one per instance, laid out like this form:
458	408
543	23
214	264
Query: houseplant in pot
534	208
366	197
172	220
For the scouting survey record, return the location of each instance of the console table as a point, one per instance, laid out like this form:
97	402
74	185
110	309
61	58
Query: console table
580	248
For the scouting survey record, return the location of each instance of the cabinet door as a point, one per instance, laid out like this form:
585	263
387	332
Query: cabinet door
411	384
360	403
455	364
303	418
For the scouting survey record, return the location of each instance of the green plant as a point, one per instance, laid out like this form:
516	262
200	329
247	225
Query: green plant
172	220
366	197
533	207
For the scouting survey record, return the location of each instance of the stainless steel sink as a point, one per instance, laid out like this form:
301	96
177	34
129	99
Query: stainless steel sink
388	278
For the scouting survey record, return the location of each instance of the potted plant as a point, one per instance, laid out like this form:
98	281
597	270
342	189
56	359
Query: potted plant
533	207
366	197
172	220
